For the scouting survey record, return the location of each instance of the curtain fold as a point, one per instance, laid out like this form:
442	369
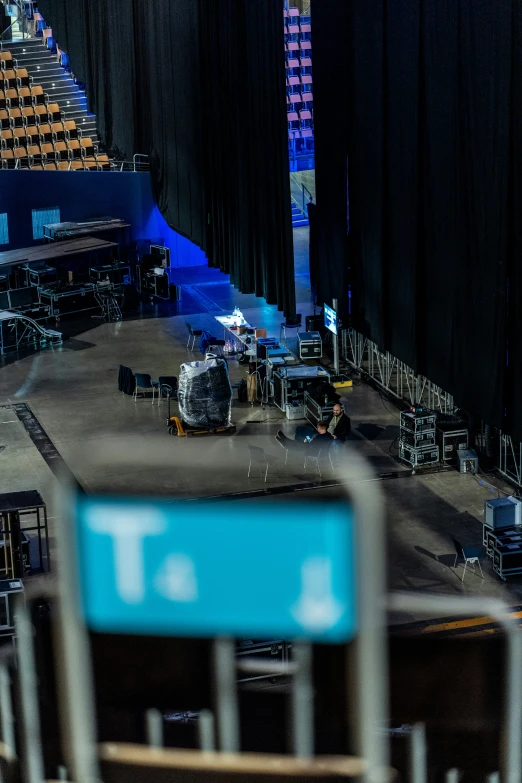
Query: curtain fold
432	92
199	85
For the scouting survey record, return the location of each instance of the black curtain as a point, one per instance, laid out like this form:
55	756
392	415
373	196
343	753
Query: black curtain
432	91
328	222
199	85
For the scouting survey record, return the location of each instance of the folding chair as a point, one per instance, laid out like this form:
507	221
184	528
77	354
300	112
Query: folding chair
469	555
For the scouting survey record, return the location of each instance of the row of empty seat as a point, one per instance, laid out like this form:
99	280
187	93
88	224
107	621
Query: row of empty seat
23	97
22	118
15	78
66	155
39	134
299	91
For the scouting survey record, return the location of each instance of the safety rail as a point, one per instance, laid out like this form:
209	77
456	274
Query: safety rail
21	17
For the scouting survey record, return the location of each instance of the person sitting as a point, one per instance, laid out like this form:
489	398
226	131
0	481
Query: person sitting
339	424
321	439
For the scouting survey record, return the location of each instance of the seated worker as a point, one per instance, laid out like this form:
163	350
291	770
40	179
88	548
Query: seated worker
339	424
318	441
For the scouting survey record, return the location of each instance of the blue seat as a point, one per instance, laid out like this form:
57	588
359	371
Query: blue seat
144	384
469	554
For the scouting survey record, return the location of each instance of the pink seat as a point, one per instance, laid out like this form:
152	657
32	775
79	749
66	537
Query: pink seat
306	27
292	46
307	96
293	81
307	134
305	114
306	62
285	13
293	12
305	45
295	97
306	79
297	134
292	116
293	29
292	62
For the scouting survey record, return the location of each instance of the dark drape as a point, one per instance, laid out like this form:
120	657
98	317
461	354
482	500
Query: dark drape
328	234
199	85
432	89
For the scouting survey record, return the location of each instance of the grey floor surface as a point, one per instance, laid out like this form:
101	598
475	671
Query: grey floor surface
72	391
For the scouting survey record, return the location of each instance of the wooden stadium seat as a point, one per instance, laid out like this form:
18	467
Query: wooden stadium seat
20	137
90	164
7	139
40	98
88	148
60	148
55	112
41	115
3	103
63	165
28	116
35	155
36	167
26	99
50	167
12	99
77	165
71	130
58	131
22	77
22	157
46	134
10	80
6	61
8	159
48	153
33	134
104	163
4	120
16	119
75	150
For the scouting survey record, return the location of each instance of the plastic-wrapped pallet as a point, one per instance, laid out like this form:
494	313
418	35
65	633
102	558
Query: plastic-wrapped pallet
205	393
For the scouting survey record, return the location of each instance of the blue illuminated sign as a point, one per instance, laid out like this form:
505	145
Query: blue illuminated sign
330	319
199	568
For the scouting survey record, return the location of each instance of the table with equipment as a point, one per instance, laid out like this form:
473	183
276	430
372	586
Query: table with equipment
291	383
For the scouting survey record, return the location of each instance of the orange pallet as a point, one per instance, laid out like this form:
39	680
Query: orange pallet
183	430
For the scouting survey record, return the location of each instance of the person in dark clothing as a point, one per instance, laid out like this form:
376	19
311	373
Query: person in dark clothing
322	439
339	424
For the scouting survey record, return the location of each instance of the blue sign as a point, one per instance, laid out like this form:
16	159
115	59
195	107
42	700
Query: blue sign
200	568
330	319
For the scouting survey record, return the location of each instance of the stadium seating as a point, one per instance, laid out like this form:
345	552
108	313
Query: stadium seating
299	81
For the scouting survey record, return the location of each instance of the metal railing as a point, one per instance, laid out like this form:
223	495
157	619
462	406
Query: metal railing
21	20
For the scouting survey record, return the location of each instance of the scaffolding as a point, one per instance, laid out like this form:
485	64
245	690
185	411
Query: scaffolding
393	376
401	381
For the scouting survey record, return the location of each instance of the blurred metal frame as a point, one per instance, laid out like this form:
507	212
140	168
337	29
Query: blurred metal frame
370	709
441	606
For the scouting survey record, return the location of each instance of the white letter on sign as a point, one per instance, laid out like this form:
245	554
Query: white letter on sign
128	528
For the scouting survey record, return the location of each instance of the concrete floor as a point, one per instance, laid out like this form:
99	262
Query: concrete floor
72	391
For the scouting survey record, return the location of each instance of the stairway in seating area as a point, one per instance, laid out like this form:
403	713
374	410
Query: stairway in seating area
298	216
46	71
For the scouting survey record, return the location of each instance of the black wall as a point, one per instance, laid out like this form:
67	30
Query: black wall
432	94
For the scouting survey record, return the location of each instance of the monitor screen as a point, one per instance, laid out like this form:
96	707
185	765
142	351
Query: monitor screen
159	251
330	319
